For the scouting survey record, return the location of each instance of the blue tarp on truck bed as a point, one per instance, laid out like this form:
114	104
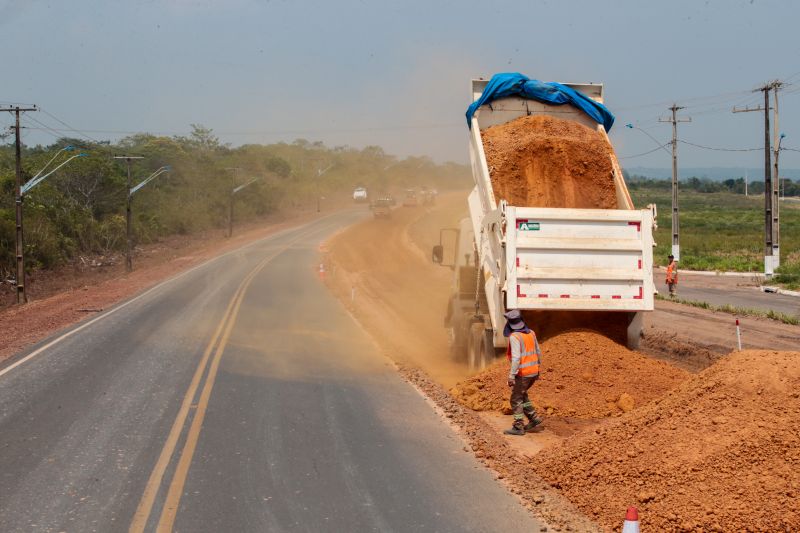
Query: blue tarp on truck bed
516	84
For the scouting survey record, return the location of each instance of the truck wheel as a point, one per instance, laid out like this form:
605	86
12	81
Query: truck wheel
480	350
487	348
635	325
459	345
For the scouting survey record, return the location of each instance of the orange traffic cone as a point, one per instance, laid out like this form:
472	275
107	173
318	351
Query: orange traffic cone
631	524
322	271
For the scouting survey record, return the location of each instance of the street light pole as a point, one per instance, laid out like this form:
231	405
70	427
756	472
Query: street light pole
234	190
21	192
320	172
233	171
22	296
128	225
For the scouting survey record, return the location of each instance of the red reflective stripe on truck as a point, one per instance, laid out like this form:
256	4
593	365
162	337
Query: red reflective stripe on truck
595	296
519	292
565	296
517	261
637	224
640	264
617	297
641	294
543	296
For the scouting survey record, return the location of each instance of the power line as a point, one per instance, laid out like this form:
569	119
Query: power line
46	129
70	127
269	132
644	153
719	149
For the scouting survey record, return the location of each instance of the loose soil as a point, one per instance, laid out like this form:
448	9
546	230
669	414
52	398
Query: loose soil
719	453
584	375
543	161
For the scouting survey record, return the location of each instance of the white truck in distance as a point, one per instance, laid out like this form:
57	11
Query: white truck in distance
541	259
360	195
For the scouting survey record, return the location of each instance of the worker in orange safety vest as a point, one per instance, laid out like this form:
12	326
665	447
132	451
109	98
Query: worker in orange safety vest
672	276
525	356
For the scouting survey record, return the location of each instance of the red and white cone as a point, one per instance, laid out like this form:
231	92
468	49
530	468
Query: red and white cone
631	524
322	271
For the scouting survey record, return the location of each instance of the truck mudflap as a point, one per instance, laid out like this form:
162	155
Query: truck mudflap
578	259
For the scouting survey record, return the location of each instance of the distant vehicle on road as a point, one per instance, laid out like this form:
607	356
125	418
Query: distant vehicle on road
360	195
381	208
410	199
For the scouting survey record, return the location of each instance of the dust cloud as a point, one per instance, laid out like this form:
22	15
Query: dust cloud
394	290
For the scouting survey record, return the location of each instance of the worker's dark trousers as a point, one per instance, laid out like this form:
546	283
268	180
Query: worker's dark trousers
520	403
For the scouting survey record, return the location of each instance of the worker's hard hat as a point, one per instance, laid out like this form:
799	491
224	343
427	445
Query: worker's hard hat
515	321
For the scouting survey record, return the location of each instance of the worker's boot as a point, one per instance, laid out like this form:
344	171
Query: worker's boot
517	429
530	426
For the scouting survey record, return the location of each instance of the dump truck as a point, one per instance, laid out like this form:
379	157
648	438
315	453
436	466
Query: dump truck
544	259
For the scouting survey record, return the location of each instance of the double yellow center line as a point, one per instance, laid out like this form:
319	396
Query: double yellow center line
175	490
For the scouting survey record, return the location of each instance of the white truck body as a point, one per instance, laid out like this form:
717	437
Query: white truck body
554	258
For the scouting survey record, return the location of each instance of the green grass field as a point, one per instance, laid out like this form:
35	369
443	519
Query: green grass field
724	231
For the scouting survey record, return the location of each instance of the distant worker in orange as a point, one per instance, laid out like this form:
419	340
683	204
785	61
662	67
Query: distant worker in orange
525	356
672	276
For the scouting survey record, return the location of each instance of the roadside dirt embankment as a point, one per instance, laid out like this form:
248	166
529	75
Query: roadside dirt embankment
584	375
721	452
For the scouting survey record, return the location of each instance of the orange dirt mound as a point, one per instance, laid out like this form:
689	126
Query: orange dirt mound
543	161
721	452
584	375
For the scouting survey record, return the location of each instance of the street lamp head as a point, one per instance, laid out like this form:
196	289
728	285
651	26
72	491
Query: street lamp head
783	135
82	154
69	148
629	126
167	168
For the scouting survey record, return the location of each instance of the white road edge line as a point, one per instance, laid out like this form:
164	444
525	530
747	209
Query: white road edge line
108	313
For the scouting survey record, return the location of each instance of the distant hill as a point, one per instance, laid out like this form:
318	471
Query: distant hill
712	173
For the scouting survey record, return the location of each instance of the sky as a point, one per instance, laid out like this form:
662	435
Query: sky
397	73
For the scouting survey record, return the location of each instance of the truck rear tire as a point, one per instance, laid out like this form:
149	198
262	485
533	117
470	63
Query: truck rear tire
635	325
480	351
474	346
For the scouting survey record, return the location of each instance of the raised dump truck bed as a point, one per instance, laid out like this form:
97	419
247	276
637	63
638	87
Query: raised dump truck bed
545	258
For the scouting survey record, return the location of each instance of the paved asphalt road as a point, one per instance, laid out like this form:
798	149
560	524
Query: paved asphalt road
700	288
237	397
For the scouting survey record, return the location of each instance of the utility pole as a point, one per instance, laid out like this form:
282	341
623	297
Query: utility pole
22	296
771	200
676	238
776	180
128	225
230	205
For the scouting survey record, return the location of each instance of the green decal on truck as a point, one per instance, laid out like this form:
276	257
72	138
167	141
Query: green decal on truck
527	225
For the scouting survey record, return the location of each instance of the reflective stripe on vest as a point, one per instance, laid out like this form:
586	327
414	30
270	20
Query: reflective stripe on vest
528	358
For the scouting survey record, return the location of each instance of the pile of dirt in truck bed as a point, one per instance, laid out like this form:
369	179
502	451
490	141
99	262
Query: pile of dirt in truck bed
721	452
584	375
543	161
